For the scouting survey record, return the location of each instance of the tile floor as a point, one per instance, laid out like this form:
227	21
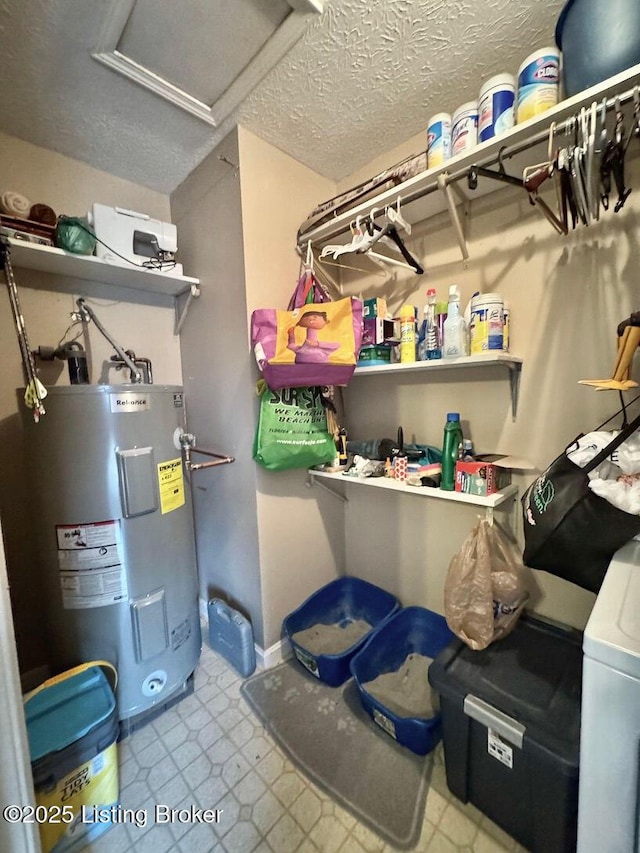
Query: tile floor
210	751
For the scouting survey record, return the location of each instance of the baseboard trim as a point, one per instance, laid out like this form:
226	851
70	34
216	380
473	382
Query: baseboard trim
279	652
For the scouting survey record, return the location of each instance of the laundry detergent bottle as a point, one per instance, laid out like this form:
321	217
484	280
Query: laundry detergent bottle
450	451
455	329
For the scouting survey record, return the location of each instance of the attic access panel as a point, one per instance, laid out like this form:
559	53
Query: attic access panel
204	57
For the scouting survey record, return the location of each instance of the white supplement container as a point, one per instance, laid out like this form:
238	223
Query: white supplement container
487	323
538	83
464	128
438	140
496	110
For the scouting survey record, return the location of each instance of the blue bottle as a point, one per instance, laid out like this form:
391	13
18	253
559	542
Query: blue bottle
450	448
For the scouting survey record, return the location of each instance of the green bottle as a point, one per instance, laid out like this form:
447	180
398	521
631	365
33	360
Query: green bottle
450	446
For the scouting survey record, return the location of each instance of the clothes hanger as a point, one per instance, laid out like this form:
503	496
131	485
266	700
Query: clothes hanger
394	215
359	237
389	230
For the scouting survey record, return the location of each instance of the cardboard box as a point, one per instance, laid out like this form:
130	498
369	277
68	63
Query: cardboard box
377	331
487	475
374	308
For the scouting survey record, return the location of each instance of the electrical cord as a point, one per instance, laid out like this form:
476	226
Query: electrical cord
160	264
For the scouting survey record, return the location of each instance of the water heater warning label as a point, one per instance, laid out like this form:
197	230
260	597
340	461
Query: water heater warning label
90	565
171	484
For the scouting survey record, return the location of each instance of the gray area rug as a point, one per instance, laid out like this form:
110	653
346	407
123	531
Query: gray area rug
326	733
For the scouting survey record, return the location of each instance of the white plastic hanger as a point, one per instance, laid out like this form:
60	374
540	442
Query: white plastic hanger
397	218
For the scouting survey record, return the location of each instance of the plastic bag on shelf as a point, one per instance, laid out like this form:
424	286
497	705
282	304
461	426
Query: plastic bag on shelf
486	587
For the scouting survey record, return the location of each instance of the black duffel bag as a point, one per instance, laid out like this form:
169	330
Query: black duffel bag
569	531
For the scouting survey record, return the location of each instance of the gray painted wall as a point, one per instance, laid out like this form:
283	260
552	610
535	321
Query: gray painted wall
219	383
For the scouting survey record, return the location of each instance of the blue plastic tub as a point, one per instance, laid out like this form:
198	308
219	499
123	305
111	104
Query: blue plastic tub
338	603
598	40
412	629
72	726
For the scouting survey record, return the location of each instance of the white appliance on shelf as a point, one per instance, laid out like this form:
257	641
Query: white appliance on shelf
126	237
609	798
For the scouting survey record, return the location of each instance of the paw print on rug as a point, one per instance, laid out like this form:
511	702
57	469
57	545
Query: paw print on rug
346	724
312	688
326	705
273	682
291	694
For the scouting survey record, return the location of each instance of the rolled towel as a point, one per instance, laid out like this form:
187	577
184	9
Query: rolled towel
15	204
43	213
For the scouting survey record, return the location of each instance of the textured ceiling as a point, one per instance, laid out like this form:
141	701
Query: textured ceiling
366	76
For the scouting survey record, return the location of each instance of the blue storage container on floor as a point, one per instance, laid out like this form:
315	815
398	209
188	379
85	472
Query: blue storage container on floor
410	630
72	726
231	634
340	602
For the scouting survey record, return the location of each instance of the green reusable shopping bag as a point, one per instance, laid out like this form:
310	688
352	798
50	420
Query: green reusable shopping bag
292	429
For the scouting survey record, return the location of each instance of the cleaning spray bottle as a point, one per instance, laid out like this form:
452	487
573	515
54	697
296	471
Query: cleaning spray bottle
408	338
433	345
429	344
455	329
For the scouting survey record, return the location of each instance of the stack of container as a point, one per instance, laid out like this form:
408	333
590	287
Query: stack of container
503	101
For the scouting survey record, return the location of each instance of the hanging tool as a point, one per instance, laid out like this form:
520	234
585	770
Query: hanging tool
35	391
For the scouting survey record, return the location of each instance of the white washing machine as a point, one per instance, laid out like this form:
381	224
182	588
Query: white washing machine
609	798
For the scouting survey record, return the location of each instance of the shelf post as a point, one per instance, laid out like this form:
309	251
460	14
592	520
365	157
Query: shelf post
444	185
515	368
312	482
181	313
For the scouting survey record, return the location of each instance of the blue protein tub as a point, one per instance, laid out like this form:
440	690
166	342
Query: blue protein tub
412	629
340	602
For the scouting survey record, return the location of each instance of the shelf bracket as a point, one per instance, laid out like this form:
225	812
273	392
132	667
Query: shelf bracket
445	186
181	311
514	384
313	482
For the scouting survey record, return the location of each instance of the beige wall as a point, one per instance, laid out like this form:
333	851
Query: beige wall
567	296
70	187
264	542
300	529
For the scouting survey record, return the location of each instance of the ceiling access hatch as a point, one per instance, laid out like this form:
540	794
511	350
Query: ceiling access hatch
203	57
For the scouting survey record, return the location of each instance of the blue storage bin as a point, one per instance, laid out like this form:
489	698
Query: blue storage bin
412	629
72	726
598	40
340	602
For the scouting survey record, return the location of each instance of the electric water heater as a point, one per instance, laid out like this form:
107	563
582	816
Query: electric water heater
114	525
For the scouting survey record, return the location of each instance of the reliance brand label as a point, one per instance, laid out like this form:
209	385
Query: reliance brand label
129	401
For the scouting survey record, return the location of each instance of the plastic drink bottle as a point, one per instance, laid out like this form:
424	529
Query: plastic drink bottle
455	329
451	442
407	333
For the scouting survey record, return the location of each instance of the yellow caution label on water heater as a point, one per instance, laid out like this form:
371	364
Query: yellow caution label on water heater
171	484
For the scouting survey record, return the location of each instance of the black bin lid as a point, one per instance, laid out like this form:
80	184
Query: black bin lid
533	675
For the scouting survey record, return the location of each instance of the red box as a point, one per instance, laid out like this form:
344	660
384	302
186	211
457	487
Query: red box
476	478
